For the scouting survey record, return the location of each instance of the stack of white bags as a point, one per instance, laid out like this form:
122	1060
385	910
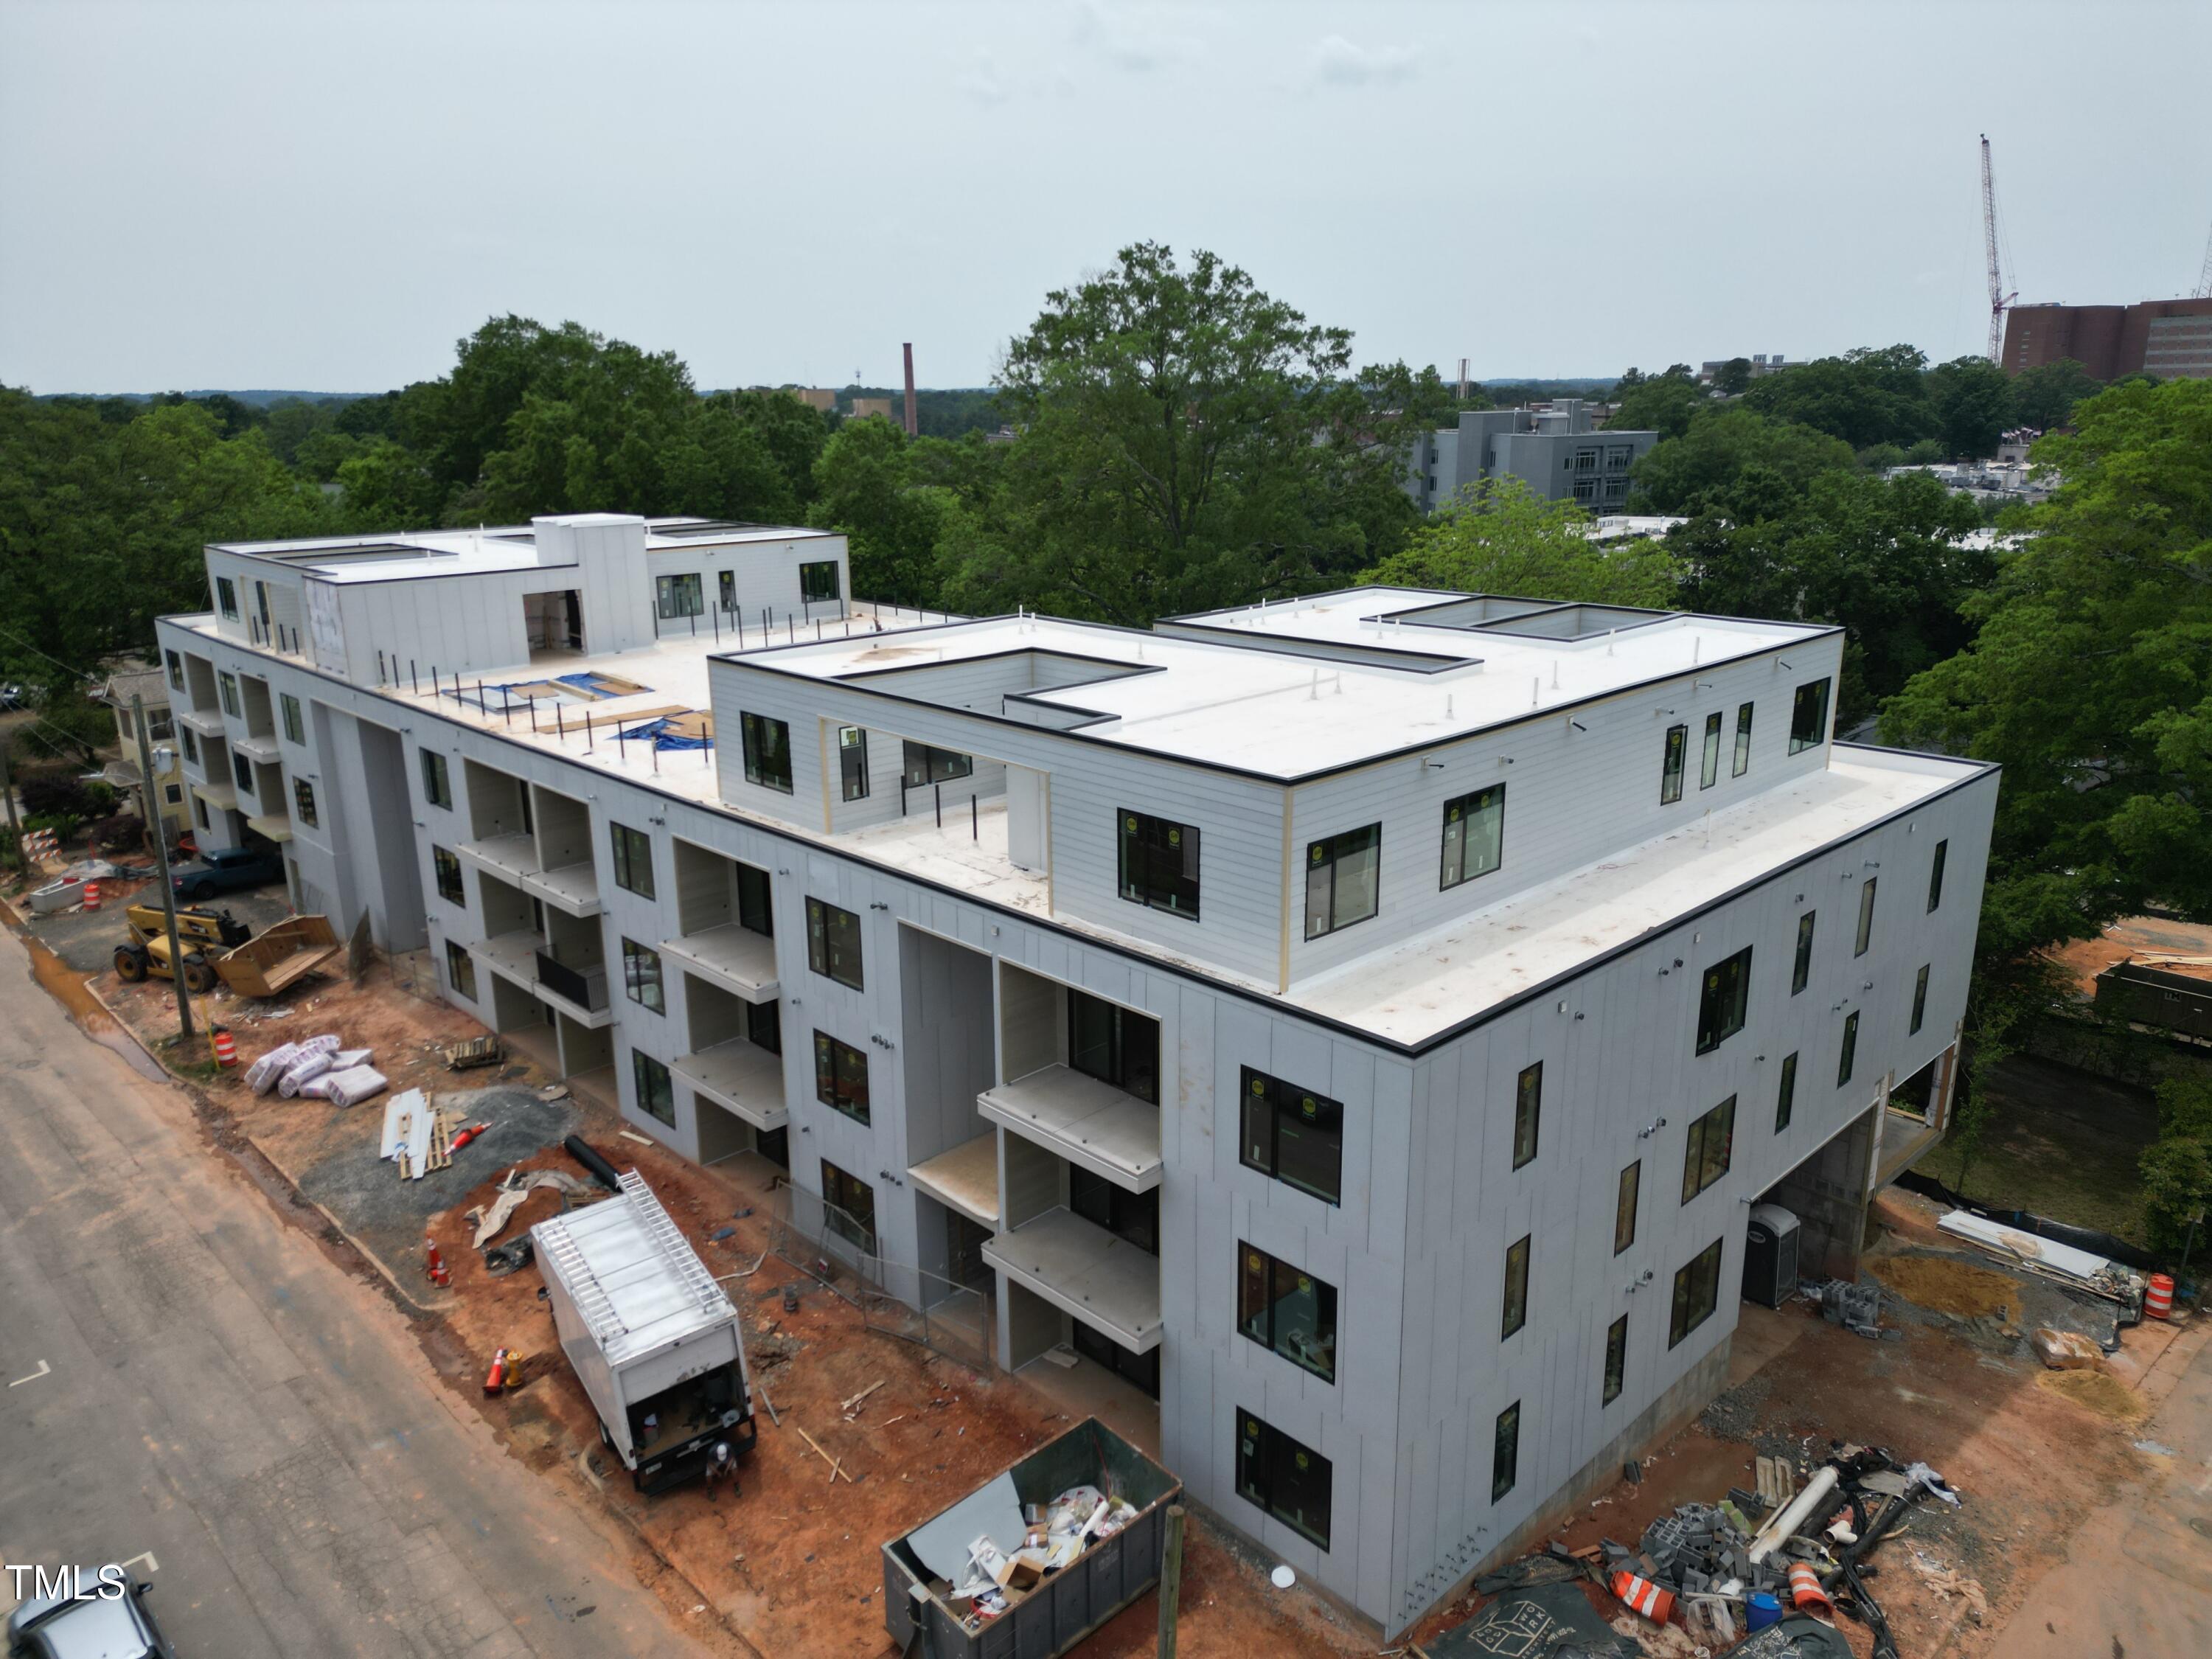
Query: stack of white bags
317	1068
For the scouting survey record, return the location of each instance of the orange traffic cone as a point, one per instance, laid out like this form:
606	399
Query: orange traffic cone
92	895
226	1051
1805	1589
440	1274
1647	1598
495	1379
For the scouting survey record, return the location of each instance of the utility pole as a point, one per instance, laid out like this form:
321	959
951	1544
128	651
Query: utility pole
162	868
8	788
1170	1580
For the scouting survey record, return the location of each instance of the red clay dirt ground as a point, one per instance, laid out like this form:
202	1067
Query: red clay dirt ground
791	1564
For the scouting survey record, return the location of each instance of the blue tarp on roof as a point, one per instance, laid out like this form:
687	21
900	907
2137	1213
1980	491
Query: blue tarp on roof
664	735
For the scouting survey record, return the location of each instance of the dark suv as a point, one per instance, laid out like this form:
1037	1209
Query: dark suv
225	871
97	1627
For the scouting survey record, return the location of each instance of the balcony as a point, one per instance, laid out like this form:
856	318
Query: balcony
740	1076
580	992
1089	1123
511	857
222	797
735	958
964	1180
1085	1272
573	888
261	746
276	826
515	955
208	722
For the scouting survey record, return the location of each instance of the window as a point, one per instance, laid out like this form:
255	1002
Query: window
176	670
1505	1452
460	970
851	1213
1623	1206
725	589
1159	864
1697	1293
1109	1042
1935	874
1709	764
1616	1360
242	769
173	793
1287	1480
1343	879
641	976
754	910
1670	765
1292	1313
448	868
655	1097
1132	1217
818	580
852	762
1808	717
768	751
841	1077
1801	970
926	765
225	597
160	724
633	860
1919	1000
303	798
437	785
1616	489
1475	835
833	943
199	811
1515	1313
764	1026
1618	457
1787	1096
227	686
1527	1106
1741	763
1585	490
1712	1143
679	596
1851	1048
1292	1135
191	746
1866	918
1585	460
295	729
1722	999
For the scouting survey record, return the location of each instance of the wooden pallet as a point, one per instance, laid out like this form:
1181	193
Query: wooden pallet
476	1051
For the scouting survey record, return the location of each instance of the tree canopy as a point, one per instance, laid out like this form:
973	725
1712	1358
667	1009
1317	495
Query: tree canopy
1499	537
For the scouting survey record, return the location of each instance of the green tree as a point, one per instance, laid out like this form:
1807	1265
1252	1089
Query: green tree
2043	396
866	485
1500	537
1664	404
1973	402
1732	376
2176	1167
1865	397
1736	462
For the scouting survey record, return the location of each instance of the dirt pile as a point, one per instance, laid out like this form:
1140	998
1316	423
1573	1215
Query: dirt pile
1945	1285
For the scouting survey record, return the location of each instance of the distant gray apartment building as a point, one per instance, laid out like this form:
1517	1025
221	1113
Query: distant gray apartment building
1553	449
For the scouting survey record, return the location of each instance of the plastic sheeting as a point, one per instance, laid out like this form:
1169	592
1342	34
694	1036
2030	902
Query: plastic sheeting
664	735
302	1070
351	1086
261	1076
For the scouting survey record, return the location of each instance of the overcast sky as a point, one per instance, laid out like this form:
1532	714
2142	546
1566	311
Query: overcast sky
326	196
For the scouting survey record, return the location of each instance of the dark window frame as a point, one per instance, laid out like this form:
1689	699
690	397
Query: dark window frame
460	970
767	744
1264	1454
303	803
811	582
1785	1094
1920	1000
825	922
653	1083
1800	966
1463	814
1847	1059
1724	1000
1809	716
1276	1282
1672	760
1740	763
1864	938
176	664
845	1196
633	859
1708	1150
922	765
437	778
1627	1202
1323	858
1709	759
294	721
1513	1310
1700	1277
1936	873
756	899
1615	1376
1156	863
678	595
641	972
852	762
226	598
1128	1056
841	1077
445	864
1265	1097
1527	1113
1505	1452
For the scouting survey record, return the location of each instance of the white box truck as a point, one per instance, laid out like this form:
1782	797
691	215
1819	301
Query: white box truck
653	1338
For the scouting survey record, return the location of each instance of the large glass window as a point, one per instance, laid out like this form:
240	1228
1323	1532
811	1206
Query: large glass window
225	597
1159	863
295	728
833	943
1785	1098
1808	717
176	671
1113	1044
852	1201
1293	1134
764	1026
1697	1293
641	976
1711	1145
1343	879
227	688
841	1077
1285	1479
303	801
754	910
1515	1312
818	580
448	868
1741	763
1505	1452
1132	1217
242	770
1616	1360
1801	971
1528	1108
1866	916
680	596
1670	764
633	860
191	746
926	765
1623	1206
768	751
1846	1060
1709	764
1935	874
1722	999
1920	1000
1289	1311
725	589
460	970
1475	835
437	787
852	762
656	1095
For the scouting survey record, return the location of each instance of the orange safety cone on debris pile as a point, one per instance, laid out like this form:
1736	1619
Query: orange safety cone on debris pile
435	1263
495	1379
226	1051
2158	1300
1645	1597
1805	1591
468	1134
91	900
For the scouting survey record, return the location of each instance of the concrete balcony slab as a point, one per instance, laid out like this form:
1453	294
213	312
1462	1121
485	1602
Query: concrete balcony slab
739	1076
1085	1122
736	958
965	1179
1086	1273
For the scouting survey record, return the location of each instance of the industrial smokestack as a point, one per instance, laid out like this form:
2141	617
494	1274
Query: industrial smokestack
913	423
1462	379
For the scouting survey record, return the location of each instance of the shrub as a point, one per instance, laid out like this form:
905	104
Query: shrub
44	793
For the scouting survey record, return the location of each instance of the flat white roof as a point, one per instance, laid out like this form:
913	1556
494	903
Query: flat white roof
488	550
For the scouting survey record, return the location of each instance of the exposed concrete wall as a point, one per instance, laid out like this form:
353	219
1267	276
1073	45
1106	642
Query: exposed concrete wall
1827	1194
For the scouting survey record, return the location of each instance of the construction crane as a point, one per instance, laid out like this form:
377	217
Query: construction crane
2204	276
1998	298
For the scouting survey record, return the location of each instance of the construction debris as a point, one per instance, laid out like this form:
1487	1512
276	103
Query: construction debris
1856	1307
514	1186
849	1406
2065	1351
476	1051
836	1465
2046	1258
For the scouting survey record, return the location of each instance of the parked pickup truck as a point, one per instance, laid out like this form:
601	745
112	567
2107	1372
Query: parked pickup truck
653	1340
225	871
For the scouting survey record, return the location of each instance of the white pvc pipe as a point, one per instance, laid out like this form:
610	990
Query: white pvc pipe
1795	1514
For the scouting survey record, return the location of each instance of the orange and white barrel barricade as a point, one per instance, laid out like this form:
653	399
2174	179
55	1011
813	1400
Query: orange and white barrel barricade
1805	1591
91	900
433	1262
1652	1601
2158	1300
226	1051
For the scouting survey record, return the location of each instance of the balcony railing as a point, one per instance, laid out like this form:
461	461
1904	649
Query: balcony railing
587	988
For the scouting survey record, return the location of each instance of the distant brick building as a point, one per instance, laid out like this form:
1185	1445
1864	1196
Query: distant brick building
2170	338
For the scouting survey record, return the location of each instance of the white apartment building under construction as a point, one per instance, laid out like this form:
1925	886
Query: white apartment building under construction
1361	1024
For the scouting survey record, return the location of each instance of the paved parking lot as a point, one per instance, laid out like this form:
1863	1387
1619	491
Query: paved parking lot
86	939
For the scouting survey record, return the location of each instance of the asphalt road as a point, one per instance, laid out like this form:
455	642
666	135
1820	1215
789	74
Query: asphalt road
187	1379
